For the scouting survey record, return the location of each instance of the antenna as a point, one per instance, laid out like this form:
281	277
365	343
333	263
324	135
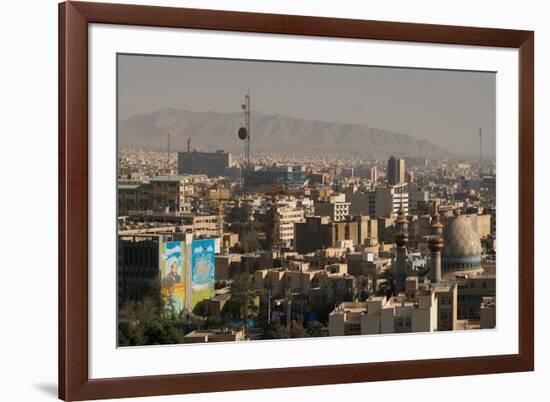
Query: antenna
168	151
244	135
480	160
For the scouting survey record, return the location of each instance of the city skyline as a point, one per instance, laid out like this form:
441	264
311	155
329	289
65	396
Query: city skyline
315	229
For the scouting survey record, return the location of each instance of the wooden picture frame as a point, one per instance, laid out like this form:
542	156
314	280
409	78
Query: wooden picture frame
74	381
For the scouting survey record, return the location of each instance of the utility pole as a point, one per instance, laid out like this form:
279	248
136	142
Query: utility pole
268	306
480	160
168	152
247	125
244	135
289	310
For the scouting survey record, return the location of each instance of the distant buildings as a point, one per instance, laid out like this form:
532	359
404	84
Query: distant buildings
161	193
168	193
487	184
382	202
373	174
212	164
281	224
287	176
319	177
396	170
319	232
418	200
335	207
367	230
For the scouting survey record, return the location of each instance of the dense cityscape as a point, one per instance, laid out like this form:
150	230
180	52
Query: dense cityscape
219	246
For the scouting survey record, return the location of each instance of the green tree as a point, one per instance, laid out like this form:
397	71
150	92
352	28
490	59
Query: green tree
362	287
243	293
128	335
297	330
274	330
161	332
141	323
270	285
314	328
387	288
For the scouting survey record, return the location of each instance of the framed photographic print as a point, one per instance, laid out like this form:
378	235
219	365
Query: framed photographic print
259	200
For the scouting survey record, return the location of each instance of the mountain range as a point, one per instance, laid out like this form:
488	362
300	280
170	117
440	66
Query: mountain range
274	133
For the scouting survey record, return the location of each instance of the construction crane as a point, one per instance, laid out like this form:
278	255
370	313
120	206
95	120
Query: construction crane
220	201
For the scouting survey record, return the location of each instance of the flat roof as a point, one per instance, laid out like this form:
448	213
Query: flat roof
170	178
128	186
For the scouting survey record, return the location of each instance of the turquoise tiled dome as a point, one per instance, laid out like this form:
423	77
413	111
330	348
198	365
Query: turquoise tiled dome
462	248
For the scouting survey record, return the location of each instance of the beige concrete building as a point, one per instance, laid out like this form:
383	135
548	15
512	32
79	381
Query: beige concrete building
168	193
382	202
128	195
367	230
319	232
472	292
420	308
205	225
282	225
221	335
337	211
160	194
227	265
271	279
395	173
487	313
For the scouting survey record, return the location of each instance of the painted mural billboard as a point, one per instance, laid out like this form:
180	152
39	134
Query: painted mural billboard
203	268
173	276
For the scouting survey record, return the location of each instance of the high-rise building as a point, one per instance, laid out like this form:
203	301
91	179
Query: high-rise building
396	170
209	163
282	224
373	176
337	211
382	202
287	176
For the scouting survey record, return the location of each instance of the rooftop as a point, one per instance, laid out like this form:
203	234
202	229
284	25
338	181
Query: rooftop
128	186
170	178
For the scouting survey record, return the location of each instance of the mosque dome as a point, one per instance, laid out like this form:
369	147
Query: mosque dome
462	247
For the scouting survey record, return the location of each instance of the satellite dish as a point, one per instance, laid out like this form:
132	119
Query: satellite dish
243	133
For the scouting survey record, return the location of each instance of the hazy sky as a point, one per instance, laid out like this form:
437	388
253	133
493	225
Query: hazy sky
444	107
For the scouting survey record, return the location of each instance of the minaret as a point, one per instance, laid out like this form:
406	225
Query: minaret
401	240
435	244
